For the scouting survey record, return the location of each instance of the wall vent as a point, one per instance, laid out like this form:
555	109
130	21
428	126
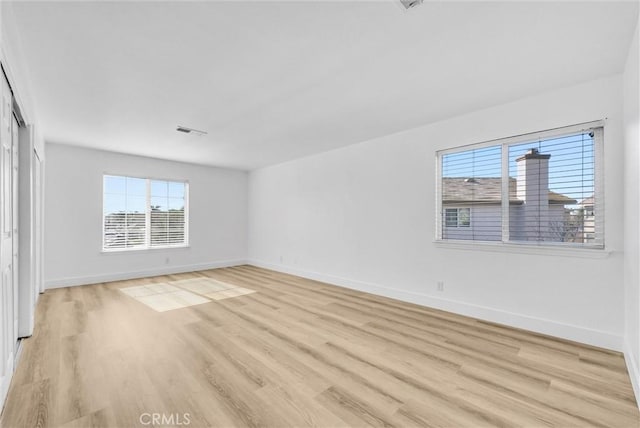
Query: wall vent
409	4
186	130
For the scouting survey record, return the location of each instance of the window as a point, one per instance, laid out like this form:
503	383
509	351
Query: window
541	189
458	217
142	213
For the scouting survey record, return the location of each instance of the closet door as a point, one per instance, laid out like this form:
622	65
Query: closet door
15	216
37	228
7	310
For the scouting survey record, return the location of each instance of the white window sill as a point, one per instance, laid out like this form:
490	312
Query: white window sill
517	248
144	250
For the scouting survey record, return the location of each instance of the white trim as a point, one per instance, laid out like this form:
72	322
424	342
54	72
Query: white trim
521	138
95	279
6	382
598	191
144	249
575	333
525	248
147	215
505	204
439	222
144	177
187	220
634	372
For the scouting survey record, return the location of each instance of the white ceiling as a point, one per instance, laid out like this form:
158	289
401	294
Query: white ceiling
273	81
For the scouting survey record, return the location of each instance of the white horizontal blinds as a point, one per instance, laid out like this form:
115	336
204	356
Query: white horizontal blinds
543	188
167	213
124	209
471	187
555	193
143	213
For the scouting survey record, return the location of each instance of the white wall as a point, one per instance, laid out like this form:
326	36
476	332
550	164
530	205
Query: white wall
73	225
364	217
632	209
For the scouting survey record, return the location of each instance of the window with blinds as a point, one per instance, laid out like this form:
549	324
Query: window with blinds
542	188
141	213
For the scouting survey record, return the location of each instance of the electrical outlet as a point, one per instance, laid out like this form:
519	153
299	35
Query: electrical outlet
440	285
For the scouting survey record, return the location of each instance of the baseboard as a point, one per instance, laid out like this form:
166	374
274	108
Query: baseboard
5	382
575	333
119	276
634	373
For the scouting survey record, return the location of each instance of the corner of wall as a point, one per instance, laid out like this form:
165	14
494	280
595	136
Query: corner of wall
634	372
631	123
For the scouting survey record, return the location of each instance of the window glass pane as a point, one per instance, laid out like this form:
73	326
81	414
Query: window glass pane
159	188
451	217
473	178
555	187
136	204
176	204
159	228
136	229
159	214
482	162
113	184
158	204
115	230
114	203
136	186
176	217
464	217
176	190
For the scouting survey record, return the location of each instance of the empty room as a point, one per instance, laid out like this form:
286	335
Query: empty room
307	213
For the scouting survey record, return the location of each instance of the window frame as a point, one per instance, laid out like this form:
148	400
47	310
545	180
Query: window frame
597	126
148	246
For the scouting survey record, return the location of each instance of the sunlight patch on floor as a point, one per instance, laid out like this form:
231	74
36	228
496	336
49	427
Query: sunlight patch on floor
171	295
203	285
232	292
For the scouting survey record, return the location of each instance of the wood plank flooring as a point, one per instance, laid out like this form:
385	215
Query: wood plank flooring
300	353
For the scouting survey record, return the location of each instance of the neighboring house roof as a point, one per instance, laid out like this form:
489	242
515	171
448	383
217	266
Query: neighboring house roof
557	198
487	190
587	202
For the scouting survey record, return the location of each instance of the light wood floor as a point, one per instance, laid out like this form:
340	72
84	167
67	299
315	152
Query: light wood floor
300	353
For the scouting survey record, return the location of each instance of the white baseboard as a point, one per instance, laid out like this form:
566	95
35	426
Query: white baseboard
119	276
575	333
632	367
5	381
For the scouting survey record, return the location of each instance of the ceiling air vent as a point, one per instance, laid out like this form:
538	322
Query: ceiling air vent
408	4
186	130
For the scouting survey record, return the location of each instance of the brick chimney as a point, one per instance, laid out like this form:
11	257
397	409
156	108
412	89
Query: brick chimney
533	189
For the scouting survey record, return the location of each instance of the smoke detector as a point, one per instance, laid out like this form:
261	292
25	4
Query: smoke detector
409	4
186	130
